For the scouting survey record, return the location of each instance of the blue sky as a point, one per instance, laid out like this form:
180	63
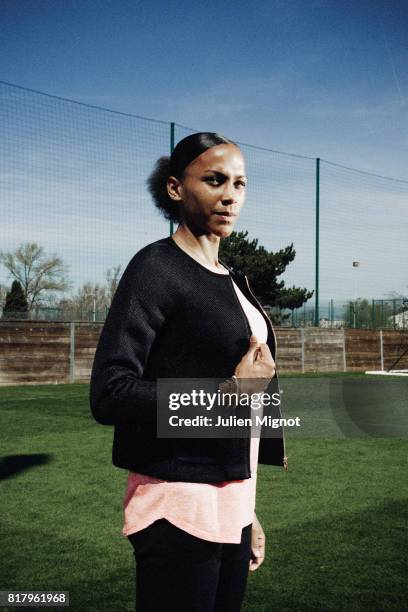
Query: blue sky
325	79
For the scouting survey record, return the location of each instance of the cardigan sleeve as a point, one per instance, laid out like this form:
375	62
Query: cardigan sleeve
118	395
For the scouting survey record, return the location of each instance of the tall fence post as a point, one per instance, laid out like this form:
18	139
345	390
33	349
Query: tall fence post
317	242
382	349
302	341
172	124
72	352
344	351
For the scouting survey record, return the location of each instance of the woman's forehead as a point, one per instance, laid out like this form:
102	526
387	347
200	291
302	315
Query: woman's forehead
220	156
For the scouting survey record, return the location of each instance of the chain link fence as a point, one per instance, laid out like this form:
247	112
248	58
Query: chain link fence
73	182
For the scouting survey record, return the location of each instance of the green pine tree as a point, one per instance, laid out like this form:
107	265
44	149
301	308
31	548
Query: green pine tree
263	269
16	303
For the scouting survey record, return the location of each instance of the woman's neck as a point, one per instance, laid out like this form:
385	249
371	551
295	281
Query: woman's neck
204	247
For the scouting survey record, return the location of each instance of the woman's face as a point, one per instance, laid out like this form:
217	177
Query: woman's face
212	192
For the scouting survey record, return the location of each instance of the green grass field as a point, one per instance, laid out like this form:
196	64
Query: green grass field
336	522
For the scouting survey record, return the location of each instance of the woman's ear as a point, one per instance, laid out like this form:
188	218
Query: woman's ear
174	188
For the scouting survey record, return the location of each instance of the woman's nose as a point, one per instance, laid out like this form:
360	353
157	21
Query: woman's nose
228	195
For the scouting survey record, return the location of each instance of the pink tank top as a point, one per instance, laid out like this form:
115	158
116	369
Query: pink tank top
211	511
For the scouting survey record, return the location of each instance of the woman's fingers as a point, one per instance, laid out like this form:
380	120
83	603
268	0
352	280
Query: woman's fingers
257	547
250	355
264	352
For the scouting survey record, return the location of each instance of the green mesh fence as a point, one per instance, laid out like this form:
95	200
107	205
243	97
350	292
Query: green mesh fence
363	220
279	207
73	181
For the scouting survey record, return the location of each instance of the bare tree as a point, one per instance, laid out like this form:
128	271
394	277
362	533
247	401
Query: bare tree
3	294
37	272
112	281
90	298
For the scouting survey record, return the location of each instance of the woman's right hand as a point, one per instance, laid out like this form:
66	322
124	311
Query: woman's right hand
256	368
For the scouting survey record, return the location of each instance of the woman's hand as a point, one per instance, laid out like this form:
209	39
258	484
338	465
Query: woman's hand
256	368
257	545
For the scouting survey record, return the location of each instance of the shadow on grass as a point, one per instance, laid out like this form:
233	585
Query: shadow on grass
96	570
355	561
12	465
376	408
350	561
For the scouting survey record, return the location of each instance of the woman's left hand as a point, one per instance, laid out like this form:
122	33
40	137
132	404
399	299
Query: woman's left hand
257	545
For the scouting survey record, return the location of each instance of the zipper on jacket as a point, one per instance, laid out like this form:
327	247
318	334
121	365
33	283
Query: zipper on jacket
249	332
269	323
245	318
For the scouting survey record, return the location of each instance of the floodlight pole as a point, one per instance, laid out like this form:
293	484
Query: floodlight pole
355	265
316	322
93	296
354	301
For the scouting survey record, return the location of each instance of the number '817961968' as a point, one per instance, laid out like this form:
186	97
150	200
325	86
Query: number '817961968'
34	598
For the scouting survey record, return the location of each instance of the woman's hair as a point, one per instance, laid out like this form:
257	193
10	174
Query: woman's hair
186	150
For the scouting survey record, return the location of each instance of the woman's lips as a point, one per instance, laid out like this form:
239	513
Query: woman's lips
225	217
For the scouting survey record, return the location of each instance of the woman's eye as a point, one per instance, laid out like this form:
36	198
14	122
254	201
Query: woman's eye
213	180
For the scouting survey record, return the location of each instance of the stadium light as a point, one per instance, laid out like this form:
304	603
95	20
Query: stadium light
356	264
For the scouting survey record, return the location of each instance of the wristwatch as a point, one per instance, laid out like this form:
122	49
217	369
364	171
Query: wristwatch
231	385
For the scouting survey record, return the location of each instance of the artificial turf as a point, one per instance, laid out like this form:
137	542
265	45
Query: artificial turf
335	523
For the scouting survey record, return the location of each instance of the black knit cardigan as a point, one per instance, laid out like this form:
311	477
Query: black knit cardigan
171	317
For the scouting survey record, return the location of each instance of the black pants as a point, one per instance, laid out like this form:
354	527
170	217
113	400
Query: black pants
180	572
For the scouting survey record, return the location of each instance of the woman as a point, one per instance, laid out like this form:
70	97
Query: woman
178	312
